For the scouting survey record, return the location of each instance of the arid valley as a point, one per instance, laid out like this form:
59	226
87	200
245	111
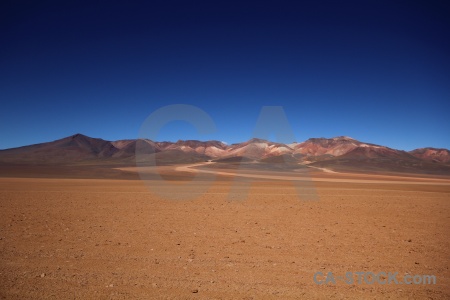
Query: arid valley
112	237
226	150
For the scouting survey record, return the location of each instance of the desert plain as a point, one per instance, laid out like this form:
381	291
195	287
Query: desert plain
63	236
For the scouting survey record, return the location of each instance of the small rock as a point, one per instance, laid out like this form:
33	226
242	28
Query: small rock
111	285
194	291
409	241
42	275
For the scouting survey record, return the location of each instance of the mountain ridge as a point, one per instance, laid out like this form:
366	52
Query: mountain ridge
333	153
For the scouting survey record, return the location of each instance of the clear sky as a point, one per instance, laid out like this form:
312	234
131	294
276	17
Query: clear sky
378	71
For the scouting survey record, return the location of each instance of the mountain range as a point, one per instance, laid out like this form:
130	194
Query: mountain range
339	153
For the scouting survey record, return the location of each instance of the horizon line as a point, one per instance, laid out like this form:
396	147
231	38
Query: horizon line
223	142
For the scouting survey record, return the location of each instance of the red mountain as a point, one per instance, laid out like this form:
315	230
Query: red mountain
432	154
339	153
77	147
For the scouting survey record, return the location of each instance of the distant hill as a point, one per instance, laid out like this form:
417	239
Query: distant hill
338	153
432	154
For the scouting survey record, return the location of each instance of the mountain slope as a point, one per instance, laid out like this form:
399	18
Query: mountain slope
381	159
74	148
339	153
432	154
321	146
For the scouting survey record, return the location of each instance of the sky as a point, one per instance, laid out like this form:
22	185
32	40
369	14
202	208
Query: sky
377	71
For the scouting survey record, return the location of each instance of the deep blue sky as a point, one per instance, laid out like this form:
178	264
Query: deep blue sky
378	71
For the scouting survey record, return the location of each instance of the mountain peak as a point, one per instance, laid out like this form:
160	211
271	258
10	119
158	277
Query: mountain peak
344	137
78	136
430	148
333	139
256	140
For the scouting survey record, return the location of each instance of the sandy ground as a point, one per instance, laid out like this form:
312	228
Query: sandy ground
116	239
323	175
